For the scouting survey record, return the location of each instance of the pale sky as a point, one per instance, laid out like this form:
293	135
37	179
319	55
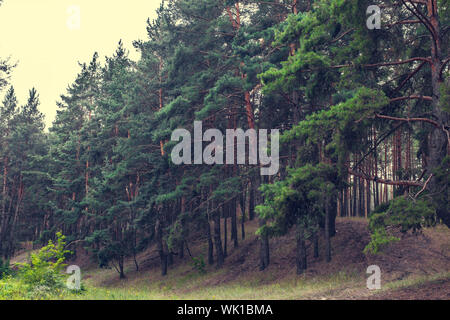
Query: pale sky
47	40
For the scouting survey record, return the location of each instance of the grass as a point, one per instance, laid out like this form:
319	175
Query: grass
415	281
189	288
338	280
331	287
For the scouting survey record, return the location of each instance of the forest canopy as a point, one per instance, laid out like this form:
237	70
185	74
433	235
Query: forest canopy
363	115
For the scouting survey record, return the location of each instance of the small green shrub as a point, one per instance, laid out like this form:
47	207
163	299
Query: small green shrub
5	270
402	213
199	264
41	278
46	267
378	240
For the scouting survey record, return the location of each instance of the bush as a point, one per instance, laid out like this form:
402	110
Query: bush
199	264
5	270
379	239
401	213
46	266
42	277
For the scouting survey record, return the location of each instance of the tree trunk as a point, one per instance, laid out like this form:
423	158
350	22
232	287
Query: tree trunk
181	250
316	244
210	243
160	246
218	241
169	258
121	272
264	249
234	230
327	232
264	239
355	186
301	249
242	211
251	202
438	146
225	230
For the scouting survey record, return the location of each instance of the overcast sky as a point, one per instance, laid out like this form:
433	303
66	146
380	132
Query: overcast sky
47	40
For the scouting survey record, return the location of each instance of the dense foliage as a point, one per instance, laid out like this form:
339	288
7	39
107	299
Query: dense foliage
40	278
363	116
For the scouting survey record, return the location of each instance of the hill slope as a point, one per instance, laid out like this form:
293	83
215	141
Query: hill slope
417	267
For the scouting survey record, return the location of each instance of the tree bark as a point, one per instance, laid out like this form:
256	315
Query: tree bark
438	146
218	240
251	202
160	246
327	232
301	249
316	244
210	243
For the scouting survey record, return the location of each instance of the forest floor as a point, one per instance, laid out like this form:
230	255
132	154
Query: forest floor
416	267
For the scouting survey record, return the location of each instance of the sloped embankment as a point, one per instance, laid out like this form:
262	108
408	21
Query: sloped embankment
406	265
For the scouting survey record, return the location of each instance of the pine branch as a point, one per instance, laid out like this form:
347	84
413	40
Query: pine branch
424	20
436	124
